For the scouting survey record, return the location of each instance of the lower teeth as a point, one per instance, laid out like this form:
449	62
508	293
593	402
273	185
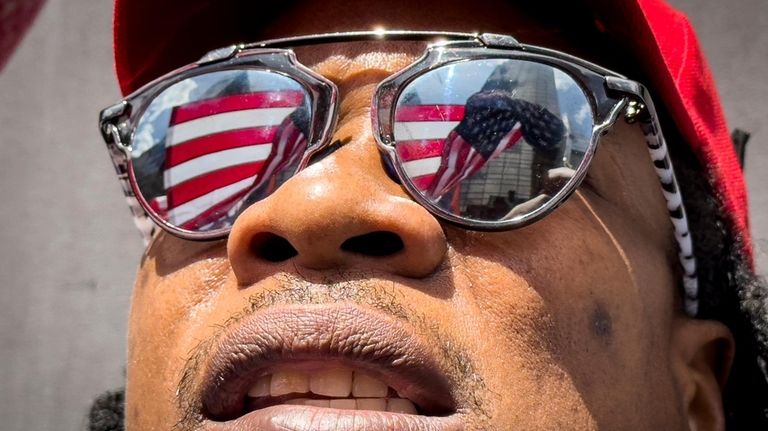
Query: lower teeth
394	405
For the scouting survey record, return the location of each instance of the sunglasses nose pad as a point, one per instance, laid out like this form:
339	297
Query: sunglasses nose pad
389	168
325	151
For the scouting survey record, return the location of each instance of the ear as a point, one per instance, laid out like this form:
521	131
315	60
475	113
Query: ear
702	354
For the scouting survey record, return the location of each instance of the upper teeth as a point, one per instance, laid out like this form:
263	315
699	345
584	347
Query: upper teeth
367	393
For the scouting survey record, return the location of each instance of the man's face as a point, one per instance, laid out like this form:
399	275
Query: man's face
340	280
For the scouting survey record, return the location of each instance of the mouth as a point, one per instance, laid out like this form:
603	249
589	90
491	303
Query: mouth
321	367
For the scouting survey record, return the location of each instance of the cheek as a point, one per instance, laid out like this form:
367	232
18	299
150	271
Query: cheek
565	295
548	279
166	322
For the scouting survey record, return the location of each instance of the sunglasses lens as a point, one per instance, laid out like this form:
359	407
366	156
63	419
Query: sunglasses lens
493	139
210	145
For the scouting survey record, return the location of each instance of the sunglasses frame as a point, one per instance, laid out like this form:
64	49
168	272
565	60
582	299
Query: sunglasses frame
591	79
119	123
610	94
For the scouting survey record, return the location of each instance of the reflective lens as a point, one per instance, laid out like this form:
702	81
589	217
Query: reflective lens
210	145
492	139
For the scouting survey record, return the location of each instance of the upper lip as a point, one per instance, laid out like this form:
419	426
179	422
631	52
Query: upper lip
346	335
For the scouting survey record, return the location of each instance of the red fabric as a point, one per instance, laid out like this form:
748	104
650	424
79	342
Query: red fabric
693	100
152	38
15	18
664	38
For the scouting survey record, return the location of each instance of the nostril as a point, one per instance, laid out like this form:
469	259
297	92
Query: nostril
380	243
272	248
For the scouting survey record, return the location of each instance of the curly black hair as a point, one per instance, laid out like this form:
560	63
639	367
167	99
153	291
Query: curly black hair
107	412
730	292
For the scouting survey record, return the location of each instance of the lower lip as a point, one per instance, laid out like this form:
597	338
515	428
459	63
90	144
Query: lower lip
293	417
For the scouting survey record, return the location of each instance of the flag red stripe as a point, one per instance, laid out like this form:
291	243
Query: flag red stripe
429	113
516	136
210	181
423	182
158	205
419	149
218	105
215	212
208	144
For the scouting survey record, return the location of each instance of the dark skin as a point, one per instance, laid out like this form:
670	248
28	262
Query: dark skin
573	322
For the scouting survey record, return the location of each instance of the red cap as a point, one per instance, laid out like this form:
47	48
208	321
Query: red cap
659	35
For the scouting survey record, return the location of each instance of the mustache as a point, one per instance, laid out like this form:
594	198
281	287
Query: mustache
356	288
380	294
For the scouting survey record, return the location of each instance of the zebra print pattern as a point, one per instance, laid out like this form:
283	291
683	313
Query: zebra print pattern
666	173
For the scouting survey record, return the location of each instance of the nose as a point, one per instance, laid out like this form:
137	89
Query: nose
343	212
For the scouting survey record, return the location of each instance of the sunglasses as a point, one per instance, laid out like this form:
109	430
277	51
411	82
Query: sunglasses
485	132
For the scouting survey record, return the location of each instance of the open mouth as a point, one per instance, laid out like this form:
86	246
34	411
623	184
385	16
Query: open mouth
325	368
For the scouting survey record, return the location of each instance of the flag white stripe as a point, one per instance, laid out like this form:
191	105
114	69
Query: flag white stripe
189	210
411	130
215	161
226	121
420	167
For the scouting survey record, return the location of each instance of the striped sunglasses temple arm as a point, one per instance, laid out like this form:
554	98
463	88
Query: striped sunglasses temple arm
662	163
